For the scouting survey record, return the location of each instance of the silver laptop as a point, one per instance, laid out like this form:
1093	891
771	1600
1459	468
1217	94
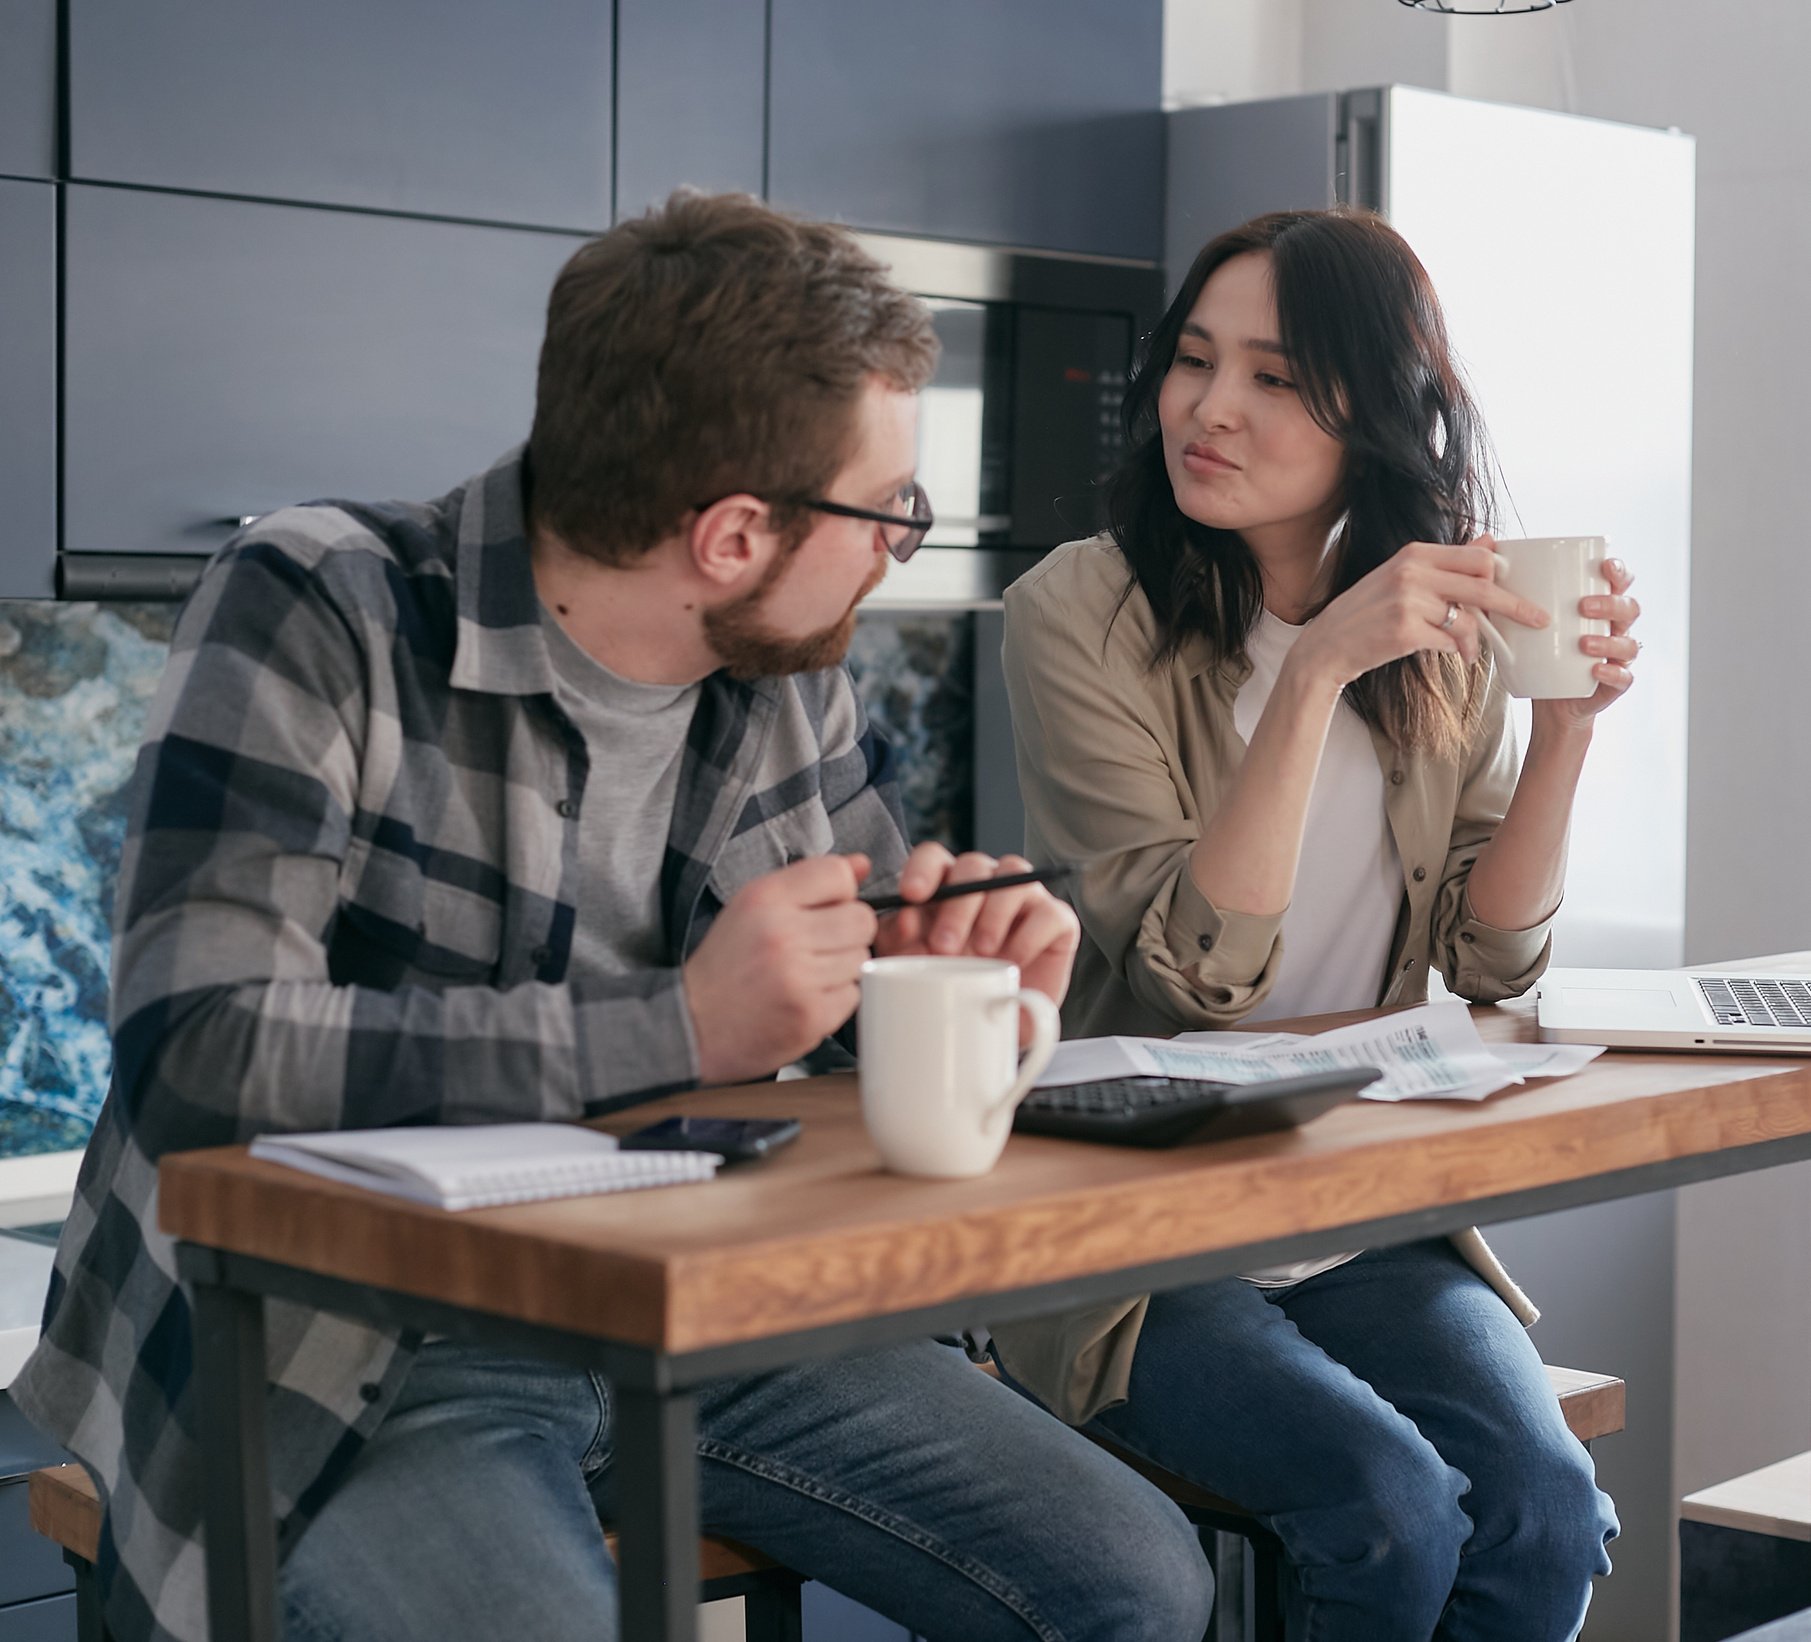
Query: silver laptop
1675	1009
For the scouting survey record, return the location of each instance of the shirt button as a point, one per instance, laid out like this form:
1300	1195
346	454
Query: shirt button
1205	942
542	956
1466	936
1407	965
1395	778
1420	874
370	1391
567	808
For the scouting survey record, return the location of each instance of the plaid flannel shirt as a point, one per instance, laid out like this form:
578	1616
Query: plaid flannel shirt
346	901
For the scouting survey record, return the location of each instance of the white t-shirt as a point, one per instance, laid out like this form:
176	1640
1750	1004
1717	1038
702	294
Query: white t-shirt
1348	885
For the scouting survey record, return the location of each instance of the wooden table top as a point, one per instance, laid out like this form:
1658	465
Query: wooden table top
821	1235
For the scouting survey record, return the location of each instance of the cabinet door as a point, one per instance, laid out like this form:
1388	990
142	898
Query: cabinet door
1018	122
28	387
28	88
52	1620
224	358
691	99
31	1567
495	112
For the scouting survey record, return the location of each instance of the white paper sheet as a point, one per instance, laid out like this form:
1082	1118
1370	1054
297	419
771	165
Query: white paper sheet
1430	1053
1548	1060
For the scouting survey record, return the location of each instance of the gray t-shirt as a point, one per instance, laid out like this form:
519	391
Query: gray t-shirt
635	734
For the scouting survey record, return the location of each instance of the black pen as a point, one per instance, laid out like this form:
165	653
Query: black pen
975	886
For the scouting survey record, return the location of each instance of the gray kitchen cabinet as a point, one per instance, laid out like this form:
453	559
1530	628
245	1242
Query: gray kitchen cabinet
33	1574
495	112
224	358
28	88
1018	122
829	1616
28	387
691	99
51	1620
31	1568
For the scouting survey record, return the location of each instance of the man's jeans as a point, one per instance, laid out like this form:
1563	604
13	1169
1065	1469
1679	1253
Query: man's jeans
1392	1423
904	1478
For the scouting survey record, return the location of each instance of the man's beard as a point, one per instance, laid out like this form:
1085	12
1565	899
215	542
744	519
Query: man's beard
749	648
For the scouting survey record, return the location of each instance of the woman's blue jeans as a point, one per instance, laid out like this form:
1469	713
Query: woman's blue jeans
905	1478
1391	1422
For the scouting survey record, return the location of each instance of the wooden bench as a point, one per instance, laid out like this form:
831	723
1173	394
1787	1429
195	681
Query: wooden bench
1745	1554
65	1508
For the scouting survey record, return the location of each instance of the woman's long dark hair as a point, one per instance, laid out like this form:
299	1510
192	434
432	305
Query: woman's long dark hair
1369	355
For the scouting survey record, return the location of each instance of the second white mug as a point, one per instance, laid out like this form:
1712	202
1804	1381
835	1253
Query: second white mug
1555	572
940	1067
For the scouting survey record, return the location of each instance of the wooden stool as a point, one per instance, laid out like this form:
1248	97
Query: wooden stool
66	1509
1745	1553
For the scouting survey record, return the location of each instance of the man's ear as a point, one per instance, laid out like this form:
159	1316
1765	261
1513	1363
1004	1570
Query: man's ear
732	541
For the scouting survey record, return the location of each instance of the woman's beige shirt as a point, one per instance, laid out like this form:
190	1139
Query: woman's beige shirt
1121	765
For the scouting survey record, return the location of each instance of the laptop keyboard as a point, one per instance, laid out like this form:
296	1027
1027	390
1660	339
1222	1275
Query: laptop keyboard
1746	1000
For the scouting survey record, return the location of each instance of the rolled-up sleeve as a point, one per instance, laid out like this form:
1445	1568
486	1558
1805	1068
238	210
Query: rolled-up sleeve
1478	960
1100	788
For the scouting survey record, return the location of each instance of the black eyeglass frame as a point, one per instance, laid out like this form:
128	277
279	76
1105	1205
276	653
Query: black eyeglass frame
918	523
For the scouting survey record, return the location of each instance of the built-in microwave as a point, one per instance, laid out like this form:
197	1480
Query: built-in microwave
1021	422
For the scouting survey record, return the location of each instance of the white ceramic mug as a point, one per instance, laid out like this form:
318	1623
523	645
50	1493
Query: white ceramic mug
1555	572
940	1066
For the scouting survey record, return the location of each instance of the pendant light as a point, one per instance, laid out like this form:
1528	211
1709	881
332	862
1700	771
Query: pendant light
1481	8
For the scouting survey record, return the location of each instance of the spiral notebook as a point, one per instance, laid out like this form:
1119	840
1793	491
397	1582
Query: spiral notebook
482	1165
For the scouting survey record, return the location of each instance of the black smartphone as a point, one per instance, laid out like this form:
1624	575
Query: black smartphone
734	1139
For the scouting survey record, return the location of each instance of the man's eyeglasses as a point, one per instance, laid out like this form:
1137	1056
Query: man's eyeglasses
905	530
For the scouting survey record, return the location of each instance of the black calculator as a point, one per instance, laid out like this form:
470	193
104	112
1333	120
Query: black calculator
1156	1111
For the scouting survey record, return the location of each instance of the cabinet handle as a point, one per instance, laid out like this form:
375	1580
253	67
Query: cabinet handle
237	521
134	576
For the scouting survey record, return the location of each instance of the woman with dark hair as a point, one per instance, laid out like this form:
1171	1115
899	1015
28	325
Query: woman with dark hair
1260	711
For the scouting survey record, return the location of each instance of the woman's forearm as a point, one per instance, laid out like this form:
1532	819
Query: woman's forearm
1520	874
1246	857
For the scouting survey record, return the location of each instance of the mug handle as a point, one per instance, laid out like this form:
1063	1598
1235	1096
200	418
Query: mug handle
1046	1028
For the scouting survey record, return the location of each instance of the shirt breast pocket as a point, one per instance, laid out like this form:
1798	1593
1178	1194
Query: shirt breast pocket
798	835
442	931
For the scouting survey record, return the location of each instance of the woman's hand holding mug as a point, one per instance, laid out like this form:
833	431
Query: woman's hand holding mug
1572	663
1426	596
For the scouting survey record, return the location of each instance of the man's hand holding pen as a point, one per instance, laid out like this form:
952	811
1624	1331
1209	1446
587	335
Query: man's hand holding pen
1020	922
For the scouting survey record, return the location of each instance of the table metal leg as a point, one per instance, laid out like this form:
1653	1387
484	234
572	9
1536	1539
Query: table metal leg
656	1442
235	1446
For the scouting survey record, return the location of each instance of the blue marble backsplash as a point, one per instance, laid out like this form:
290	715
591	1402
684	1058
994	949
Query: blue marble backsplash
915	671
75	683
